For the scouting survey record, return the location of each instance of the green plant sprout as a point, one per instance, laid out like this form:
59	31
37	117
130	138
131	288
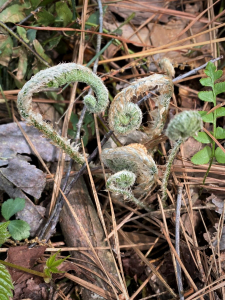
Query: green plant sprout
18	229
207	154
51	266
6	285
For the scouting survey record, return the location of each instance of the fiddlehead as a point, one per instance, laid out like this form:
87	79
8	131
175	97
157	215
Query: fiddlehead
132	158
120	183
125	116
55	77
180	128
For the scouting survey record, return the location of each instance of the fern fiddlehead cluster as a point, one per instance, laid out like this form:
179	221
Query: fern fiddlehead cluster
55	77
127	160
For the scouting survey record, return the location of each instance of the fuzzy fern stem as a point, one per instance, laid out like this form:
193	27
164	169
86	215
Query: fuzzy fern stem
55	77
168	168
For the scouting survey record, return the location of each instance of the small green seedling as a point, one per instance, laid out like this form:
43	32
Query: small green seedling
208	153
18	229
51	266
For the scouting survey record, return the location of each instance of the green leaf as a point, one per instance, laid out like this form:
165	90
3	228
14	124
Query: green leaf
220	156
31	34
13	14
203	137
52	264
220	112
74	120
219	88
22	33
206	96
206	82
202	157
11	207
41	51
64	13
55	270
5	48
21	53
35	3
19	230
4	234
210	70
6	284
220	133
53	42
206	118
43	17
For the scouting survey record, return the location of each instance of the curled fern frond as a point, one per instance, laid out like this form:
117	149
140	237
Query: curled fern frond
184	125
55	77
6	285
181	127
126	116
133	158
166	65
120	183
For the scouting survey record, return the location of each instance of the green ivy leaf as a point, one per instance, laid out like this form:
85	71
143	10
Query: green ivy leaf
19	230
220	133
202	157
220	156
206	118
203	137
6	284
11	207
4	234
206	81
206	96
219	88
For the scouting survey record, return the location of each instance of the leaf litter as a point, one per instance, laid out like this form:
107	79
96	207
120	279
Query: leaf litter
22	176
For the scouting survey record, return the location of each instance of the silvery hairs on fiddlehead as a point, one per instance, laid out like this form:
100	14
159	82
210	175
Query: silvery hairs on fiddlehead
55	77
126	116
132	158
180	128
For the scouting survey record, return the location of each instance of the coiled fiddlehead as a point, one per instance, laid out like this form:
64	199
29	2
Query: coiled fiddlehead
125	116
132	158
55	77
180	128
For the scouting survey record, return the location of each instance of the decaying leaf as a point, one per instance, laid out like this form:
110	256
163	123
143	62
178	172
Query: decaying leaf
25	176
6	44
12	138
